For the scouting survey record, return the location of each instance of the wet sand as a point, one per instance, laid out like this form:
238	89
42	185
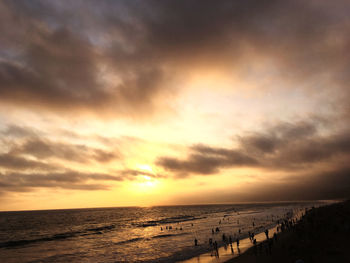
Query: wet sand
225	253
322	235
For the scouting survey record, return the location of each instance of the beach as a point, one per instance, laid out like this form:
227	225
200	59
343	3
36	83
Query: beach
320	236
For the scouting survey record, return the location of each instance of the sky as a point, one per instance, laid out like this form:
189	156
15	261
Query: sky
142	103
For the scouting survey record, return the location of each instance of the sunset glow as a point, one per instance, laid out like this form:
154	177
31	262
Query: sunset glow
140	103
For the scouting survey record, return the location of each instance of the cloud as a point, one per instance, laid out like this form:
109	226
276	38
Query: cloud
45	149
60	69
22	142
286	146
130	174
66	179
13	162
125	61
31	160
331	183
21	182
206	160
19	131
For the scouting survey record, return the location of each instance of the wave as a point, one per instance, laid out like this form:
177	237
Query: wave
132	240
169	235
108	227
65	235
169	220
24	242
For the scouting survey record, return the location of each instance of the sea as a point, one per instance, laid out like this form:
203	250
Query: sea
133	234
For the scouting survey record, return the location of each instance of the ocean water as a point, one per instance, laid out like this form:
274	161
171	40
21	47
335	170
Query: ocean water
131	234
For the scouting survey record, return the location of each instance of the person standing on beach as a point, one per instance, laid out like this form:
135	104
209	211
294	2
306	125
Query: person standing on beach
267	233
237	241
224	237
216	249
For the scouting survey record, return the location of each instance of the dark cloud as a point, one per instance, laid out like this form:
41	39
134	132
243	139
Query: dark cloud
66	179
20	182
14	162
45	149
286	147
131	174
57	68
59	53
206	160
19	131
30	160
330	184
25	141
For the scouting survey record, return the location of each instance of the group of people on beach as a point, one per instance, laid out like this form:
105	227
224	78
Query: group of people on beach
282	226
227	241
259	248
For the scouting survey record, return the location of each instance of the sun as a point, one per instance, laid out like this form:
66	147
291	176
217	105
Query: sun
149	181
145	182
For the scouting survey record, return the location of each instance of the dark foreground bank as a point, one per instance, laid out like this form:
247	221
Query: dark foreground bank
322	235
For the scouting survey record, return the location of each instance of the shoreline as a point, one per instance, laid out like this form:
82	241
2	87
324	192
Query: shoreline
225	251
321	235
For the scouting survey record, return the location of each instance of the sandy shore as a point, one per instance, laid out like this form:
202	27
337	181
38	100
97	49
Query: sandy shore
322	235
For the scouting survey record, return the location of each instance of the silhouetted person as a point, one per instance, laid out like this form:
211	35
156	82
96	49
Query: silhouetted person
223	237
237	241
267	233
232	249
216	248
212	231
195	242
